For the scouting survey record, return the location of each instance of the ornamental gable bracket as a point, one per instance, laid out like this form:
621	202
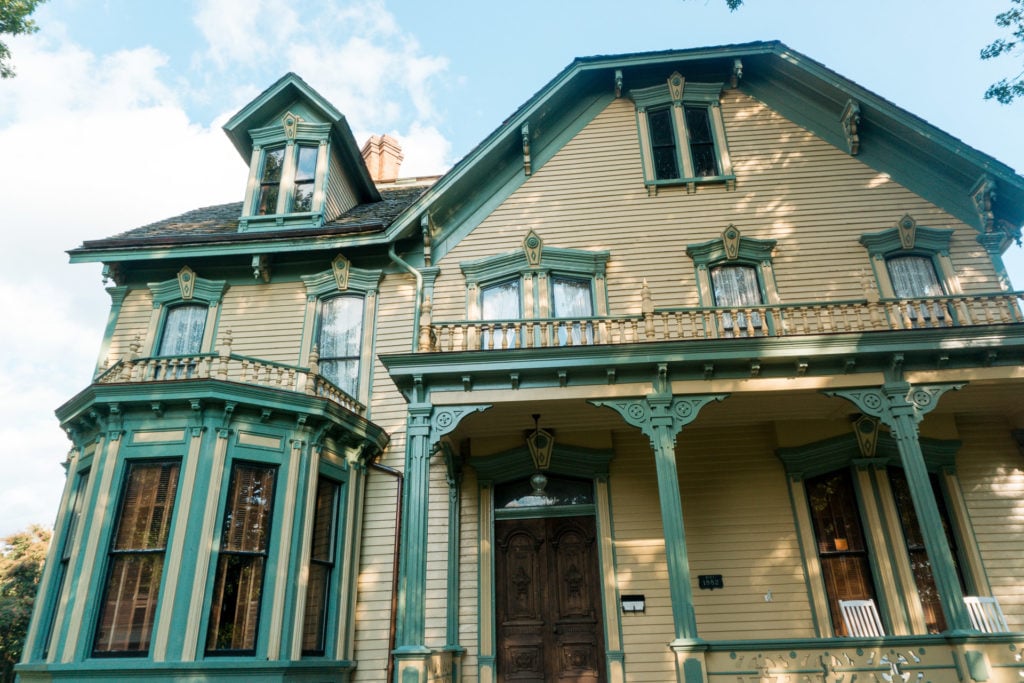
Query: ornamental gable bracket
341	267
533	247
618	83
187	282
731	242
525	132
850	120
983	196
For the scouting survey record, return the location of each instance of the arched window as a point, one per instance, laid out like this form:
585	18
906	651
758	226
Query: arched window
340	341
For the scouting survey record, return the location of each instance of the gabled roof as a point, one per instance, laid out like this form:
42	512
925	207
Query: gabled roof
916	154
288	90
919	156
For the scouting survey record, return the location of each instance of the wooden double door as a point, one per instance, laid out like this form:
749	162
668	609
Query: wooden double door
548	601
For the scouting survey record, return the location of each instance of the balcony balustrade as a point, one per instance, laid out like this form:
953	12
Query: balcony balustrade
229	367
717	322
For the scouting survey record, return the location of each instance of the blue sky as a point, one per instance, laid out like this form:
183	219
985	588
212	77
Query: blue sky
114	121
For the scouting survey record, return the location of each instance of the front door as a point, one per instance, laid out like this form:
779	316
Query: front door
548	601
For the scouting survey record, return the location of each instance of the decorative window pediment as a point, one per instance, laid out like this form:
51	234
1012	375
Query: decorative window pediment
911	261
682	135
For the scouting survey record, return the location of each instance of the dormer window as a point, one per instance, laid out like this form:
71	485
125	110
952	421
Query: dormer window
305	169
279	193
270	181
682	134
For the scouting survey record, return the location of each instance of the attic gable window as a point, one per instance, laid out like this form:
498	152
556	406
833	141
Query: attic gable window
287	180
682	136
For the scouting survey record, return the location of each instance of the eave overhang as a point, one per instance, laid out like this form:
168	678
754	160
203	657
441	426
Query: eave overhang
198	246
276	99
822	356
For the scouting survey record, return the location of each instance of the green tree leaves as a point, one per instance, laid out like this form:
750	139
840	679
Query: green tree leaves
15	19
21	565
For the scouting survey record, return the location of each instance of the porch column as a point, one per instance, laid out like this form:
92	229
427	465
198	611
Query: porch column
661	416
901	407
426	426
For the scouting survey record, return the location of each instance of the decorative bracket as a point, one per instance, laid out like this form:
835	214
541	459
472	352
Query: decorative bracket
649	414
866	429
533	246
525	131
731	242
618	83
737	72
983	196
261	267
446	419
850	120
894	399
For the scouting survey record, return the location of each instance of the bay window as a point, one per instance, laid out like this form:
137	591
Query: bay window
321	567
128	606
242	560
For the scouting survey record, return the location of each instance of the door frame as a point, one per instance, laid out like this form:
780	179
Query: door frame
569	461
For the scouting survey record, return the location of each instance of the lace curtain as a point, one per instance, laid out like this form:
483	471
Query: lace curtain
737	286
573	301
913	277
183	331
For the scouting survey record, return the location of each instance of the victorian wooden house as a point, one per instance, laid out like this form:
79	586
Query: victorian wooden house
704	366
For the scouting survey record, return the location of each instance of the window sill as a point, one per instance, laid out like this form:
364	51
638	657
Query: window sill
276	221
691	183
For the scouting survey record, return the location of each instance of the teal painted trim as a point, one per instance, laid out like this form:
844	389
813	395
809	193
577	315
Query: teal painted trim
836	452
566	460
926	241
285	93
752	251
583	510
699	180
897	642
454	555
976	666
360	280
222	668
879	550
579	262
205	291
296	560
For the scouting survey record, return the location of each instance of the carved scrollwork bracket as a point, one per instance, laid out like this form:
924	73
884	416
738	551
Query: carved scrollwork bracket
850	120
445	420
895	400
655	414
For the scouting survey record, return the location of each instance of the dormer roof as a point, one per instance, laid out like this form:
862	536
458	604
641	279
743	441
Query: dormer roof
292	94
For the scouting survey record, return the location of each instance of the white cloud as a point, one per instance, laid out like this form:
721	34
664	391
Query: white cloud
101	145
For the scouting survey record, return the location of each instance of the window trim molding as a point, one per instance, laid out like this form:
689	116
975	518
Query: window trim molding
676	93
290	132
908	238
734	249
185	288
535	259
343	279
893	580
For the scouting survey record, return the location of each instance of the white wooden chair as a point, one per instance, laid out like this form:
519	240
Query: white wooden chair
986	614
861	618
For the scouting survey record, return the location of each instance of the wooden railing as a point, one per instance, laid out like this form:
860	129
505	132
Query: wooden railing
778	320
229	367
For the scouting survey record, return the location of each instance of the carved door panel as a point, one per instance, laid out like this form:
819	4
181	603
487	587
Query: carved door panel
548	601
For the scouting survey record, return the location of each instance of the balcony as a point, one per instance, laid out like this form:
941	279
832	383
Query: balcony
229	367
684	324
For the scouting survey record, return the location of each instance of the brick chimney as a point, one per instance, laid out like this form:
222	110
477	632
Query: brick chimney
383	157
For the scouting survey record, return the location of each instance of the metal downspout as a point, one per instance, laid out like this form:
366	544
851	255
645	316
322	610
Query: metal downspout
400	478
419	292
393	626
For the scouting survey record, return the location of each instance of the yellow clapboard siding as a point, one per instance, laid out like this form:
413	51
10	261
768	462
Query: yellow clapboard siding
132	322
791	186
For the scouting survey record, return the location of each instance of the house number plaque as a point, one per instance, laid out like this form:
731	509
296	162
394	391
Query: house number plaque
710	581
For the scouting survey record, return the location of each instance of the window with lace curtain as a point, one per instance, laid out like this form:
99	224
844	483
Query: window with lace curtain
914	277
183	330
339	341
737	287
136	560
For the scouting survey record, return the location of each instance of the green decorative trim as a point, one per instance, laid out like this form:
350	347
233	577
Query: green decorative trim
278	133
552	259
926	240
976	666
749	251
206	291
884	403
444	420
652	414
692	93
810	460
326	282
570	461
